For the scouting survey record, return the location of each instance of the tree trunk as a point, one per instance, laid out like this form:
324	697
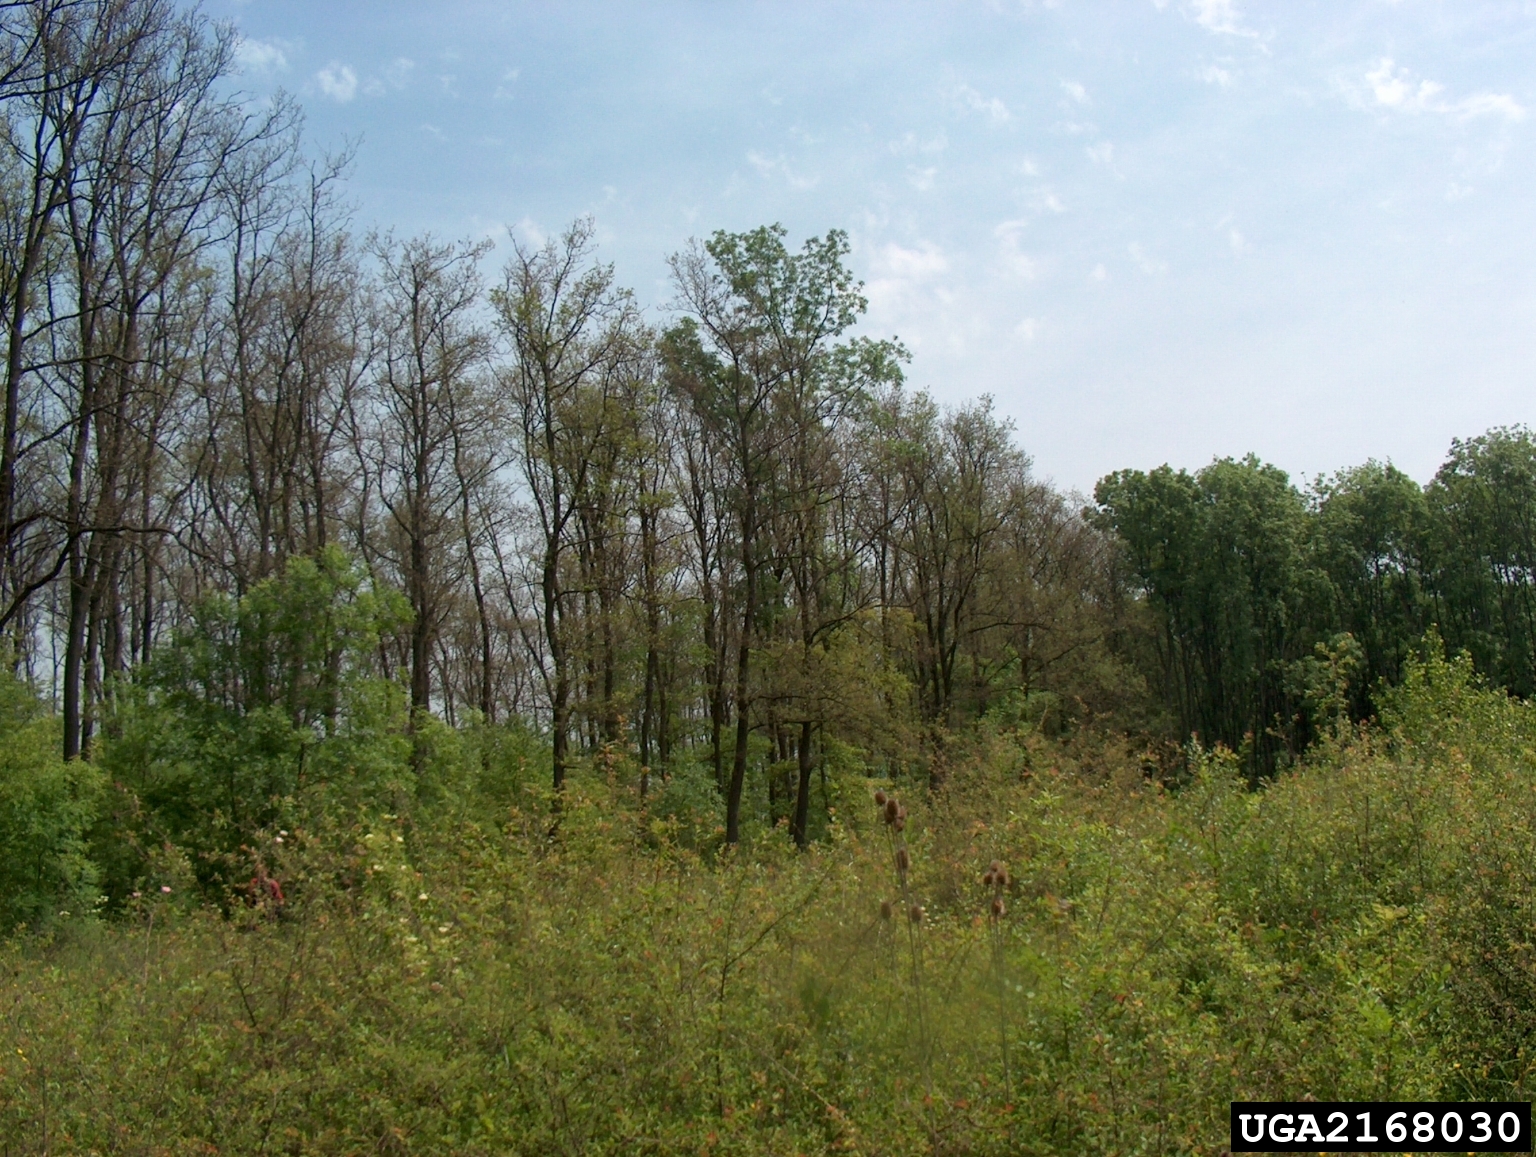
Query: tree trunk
803	792
743	722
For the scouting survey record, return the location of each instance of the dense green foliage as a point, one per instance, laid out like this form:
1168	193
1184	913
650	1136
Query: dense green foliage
47	807
455	978
257	708
1221	557
1254	586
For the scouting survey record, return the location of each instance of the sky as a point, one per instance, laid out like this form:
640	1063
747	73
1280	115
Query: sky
1152	230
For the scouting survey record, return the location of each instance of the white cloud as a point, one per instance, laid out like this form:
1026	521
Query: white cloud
397	74
1076	91
1144	261
399	71
921	179
992	107
1235	239
1026	329
262	56
901	274
529	232
337	81
1102	153
1458	192
1099	272
1395	88
1217	76
1219	16
1014	259
504	88
433	130
1489	104
908	145
1047	201
777	166
924	261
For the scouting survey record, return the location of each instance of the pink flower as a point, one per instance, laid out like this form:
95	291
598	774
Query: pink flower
165	888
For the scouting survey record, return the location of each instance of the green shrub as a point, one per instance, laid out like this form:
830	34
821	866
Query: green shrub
259	714
46	808
460	975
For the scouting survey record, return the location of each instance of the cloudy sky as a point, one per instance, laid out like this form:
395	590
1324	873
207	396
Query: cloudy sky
1152	230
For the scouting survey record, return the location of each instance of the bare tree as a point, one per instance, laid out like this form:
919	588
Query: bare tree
426	390
119	133
570	332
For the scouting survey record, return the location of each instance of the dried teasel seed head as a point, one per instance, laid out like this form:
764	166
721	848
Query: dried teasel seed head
892	809
915	913
900	823
887	910
903	861
996	866
987	879
999	909
879	799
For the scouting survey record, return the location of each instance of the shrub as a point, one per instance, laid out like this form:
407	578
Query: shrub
46	809
260	712
463	978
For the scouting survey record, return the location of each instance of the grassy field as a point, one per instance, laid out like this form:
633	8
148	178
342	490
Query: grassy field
1360	928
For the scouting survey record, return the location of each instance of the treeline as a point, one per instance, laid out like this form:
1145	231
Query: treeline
256	466
1275	610
732	541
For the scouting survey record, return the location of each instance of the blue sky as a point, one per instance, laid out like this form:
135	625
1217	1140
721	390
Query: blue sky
1152	231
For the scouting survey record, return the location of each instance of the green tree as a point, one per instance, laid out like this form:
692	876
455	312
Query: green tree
261	703
757	361
1221	557
1369	538
1482	554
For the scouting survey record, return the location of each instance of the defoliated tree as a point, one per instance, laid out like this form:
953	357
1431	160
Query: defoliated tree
571	333
427	391
959	471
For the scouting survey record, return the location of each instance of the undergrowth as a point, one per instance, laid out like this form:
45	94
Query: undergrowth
1359	928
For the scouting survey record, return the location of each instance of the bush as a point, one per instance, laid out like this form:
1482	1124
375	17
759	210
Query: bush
260	714
46	808
463	976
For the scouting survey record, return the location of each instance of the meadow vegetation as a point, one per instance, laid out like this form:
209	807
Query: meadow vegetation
447	969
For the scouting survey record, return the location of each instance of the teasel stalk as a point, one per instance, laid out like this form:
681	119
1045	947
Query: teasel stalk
997	879
895	817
